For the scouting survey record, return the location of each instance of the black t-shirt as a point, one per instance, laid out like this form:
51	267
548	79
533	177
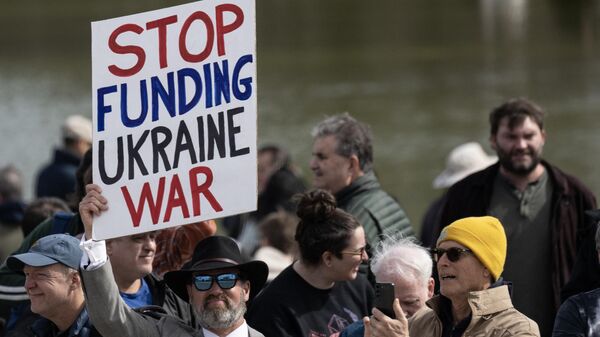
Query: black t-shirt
290	306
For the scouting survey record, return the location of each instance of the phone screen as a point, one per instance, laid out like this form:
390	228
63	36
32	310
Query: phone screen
384	298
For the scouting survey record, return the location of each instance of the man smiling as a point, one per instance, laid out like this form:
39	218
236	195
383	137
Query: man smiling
541	208
54	287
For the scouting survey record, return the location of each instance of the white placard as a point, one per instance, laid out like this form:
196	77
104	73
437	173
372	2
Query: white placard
174	113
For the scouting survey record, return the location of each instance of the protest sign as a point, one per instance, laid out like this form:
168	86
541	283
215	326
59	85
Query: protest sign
174	113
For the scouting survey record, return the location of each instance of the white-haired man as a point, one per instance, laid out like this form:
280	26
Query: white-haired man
408	266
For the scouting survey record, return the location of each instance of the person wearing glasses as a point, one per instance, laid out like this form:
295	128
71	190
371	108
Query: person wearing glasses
474	300
322	292
217	282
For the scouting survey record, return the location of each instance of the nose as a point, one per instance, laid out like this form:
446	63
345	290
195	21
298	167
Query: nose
214	288
313	163
364	256
521	143
29	283
443	260
150	243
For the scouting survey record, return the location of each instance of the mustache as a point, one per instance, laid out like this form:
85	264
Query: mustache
220	297
521	151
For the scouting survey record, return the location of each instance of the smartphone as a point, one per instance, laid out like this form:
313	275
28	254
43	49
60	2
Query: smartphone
384	298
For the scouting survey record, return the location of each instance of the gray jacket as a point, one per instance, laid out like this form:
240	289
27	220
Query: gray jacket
113	318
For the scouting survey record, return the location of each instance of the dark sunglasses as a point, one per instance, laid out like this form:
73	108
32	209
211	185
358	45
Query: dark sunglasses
225	281
453	253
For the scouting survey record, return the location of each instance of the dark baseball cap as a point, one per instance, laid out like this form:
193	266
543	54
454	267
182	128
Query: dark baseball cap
51	249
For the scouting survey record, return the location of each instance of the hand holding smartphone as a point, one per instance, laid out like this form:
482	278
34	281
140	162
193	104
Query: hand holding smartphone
384	298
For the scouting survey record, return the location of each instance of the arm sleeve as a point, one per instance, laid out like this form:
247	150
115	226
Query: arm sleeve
109	314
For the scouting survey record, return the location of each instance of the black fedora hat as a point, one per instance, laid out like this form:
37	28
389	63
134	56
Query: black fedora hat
217	252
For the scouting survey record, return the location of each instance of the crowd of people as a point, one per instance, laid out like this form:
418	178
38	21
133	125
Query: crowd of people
510	248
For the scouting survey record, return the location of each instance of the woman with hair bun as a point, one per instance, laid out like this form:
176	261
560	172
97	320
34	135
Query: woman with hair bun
322	292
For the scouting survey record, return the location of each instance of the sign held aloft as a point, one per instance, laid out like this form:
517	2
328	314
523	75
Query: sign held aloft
174	112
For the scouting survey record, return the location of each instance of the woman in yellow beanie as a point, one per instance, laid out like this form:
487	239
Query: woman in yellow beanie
470	257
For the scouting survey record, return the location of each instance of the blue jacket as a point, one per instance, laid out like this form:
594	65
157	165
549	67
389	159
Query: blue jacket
58	178
42	327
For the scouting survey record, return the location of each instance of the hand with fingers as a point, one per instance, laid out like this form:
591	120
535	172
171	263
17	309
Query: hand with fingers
380	325
91	205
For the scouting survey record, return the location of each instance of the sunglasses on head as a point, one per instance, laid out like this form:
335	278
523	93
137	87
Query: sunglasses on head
225	281
453	253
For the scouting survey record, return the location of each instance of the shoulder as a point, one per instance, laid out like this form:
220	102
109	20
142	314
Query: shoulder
278	289
254	333
566	182
581	302
476	179
424	320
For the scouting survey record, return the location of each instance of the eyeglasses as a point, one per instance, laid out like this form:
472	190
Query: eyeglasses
225	281
358	252
453	253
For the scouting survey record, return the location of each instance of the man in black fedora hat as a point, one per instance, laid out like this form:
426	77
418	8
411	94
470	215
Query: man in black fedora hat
217	282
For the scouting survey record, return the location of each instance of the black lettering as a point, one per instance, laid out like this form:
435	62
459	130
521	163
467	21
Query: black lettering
184	143
232	130
134	154
158	147
216	136
102	162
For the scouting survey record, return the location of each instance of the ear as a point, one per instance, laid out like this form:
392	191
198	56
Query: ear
246	290
355	165
486	274
327	258
109	247
430	287
543	132
75	281
493	142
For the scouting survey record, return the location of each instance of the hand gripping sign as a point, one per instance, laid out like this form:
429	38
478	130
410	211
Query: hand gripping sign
174	112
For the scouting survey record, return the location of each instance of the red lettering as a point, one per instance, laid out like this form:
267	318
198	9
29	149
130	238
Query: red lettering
224	29
176	199
128	49
197	190
210	32
161	24
145	197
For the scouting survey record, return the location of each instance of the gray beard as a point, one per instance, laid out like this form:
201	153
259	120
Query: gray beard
221	318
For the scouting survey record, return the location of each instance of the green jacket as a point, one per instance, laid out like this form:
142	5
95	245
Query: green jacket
378	213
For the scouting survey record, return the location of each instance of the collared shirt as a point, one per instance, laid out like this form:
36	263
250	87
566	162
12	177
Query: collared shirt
241	331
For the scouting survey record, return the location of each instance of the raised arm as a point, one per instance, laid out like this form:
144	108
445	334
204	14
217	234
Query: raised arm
109	314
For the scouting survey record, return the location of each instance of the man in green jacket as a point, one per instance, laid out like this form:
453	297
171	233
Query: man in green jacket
342	163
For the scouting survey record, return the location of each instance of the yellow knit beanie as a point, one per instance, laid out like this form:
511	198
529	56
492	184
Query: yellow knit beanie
484	236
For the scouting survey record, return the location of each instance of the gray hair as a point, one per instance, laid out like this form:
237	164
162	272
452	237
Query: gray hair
354	137
402	257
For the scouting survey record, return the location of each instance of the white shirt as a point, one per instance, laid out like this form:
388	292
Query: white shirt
241	331
94	254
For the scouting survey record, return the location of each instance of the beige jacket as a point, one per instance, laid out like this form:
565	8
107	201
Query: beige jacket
493	315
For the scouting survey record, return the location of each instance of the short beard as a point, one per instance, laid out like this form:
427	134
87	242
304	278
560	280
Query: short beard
221	318
505	161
